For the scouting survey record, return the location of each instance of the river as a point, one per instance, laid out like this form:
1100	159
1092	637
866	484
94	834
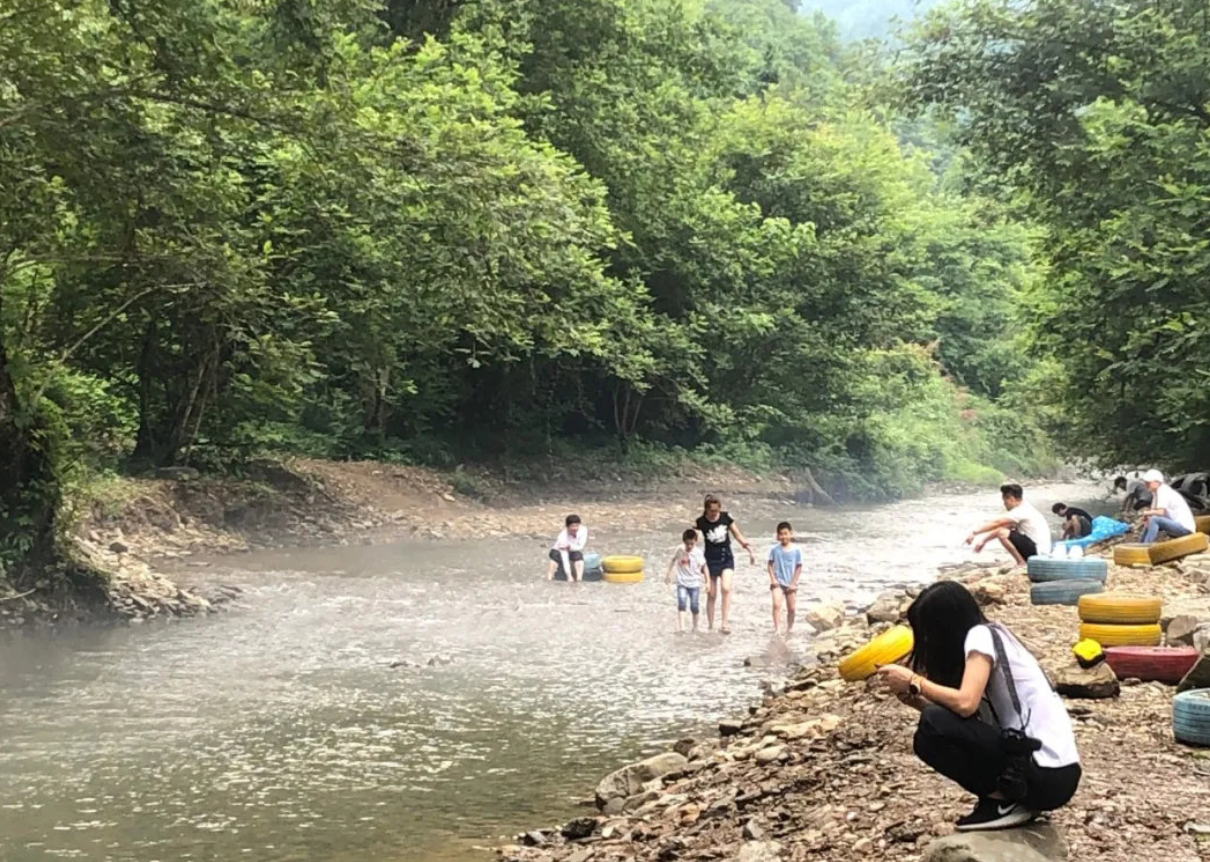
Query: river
278	731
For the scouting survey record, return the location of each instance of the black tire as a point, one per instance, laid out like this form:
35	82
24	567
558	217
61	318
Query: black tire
1043	569
1063	592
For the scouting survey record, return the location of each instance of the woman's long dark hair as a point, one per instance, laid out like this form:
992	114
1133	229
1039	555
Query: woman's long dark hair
940	618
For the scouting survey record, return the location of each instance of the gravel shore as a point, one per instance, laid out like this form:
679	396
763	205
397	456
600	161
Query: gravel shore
823	769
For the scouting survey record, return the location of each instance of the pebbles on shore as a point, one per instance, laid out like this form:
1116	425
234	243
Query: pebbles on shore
824	770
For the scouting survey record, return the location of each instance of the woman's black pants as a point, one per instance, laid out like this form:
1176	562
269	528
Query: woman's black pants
968	751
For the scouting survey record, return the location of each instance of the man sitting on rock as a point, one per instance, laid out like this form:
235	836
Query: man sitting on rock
1169	511
1023	532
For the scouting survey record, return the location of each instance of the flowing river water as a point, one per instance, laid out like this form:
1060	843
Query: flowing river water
278	731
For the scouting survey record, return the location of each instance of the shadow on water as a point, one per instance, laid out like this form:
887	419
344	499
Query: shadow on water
279	731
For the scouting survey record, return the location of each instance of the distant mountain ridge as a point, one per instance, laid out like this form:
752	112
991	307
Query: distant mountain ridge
864	19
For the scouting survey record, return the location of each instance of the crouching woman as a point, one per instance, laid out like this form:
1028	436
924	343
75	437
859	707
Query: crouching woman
988	717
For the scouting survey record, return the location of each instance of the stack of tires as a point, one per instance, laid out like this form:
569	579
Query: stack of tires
1175	549
1063	582
1113	619
888	648
621	569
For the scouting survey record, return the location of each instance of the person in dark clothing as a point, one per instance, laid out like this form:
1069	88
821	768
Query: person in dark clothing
989	719
717	528
1076	522
1137	496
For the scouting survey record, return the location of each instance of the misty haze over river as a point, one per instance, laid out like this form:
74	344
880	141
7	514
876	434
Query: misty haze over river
278	731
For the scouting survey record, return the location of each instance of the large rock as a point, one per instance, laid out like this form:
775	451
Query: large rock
824	616
1198	608
759	851
1038	842
885	610
1181	628
1096	682
629	780
1198	676
812	727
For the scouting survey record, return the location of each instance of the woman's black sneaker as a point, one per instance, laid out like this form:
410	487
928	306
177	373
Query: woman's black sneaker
995	814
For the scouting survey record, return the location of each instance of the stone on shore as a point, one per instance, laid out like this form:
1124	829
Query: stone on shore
824	616
629	780
1181	628
1038	842
887	609
1198	676
759	851
1095	682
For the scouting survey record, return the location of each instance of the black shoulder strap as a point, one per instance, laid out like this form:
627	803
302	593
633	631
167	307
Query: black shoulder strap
1003	667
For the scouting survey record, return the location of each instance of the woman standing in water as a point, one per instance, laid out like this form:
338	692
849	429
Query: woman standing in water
1020	757
717	527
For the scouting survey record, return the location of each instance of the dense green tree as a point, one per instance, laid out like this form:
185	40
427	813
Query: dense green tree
1092	117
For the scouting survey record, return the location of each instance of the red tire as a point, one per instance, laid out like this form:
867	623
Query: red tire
1162	664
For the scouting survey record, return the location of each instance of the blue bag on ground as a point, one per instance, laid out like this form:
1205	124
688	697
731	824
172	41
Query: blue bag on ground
1102	528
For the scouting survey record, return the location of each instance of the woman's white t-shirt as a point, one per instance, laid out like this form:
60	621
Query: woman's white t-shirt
1045	718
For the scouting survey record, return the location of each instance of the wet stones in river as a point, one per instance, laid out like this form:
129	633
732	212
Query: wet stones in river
824	616
888	608
1037	842
629	780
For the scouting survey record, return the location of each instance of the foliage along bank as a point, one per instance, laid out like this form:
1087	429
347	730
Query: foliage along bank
429	231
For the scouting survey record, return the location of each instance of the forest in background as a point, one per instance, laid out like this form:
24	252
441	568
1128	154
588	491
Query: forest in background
497	230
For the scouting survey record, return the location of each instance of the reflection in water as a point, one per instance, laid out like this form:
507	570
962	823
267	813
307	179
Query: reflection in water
279	731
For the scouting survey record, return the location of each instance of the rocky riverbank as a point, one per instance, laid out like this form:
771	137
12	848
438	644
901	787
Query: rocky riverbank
823	770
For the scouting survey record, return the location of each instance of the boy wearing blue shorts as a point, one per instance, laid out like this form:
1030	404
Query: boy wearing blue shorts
785	567
690	566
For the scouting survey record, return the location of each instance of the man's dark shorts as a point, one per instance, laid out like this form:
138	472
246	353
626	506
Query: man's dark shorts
1084	527
1024	544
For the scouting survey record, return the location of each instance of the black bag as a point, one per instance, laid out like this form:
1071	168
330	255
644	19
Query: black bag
1017	745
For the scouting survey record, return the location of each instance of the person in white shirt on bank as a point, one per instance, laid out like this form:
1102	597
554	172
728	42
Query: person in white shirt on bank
1169	511
1023	531
989	719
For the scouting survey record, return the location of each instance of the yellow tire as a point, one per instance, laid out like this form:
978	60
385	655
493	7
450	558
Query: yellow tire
621	565
887	648
1110	635
1202	522
623	577
1174	549
1131	555
1120	609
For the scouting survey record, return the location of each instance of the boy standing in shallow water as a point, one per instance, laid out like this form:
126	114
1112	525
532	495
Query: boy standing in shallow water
690	565
785	567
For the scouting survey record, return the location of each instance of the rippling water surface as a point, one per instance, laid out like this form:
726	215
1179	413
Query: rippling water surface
278	731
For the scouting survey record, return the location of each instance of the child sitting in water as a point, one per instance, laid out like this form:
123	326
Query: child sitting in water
567	552
785	567
690	565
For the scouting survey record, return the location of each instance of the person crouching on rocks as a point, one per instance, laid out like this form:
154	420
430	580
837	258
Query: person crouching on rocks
568	550
1023	532
1016	752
